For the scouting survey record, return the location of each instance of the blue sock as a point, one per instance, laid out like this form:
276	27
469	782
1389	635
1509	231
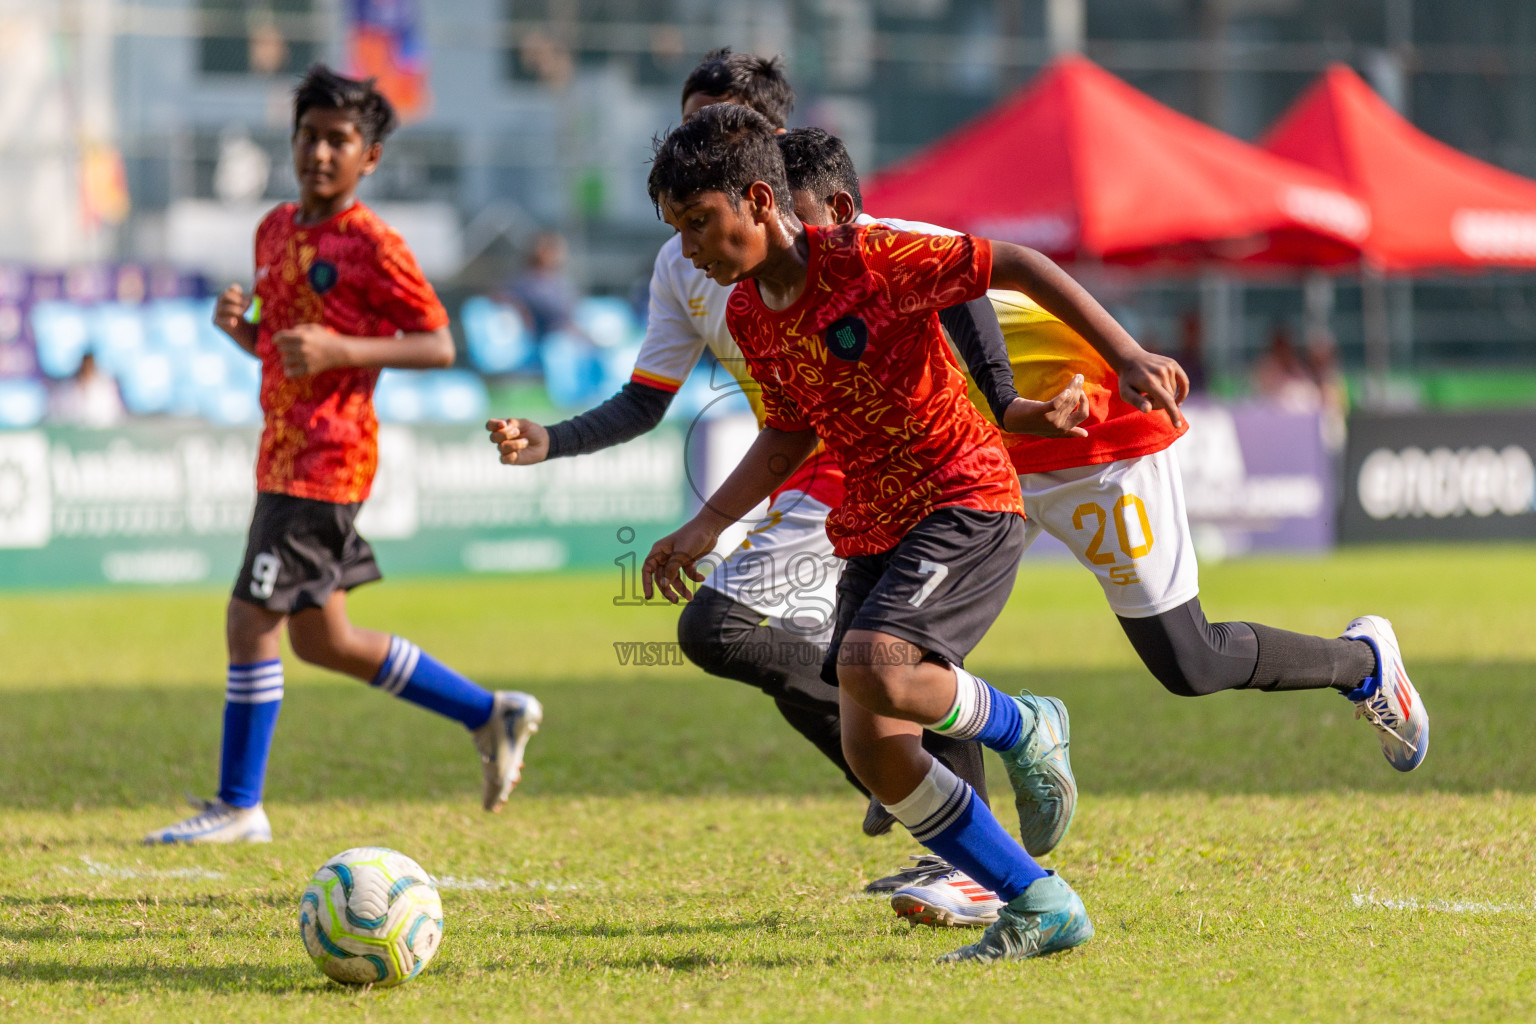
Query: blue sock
944	815
983	713
412	674
252	698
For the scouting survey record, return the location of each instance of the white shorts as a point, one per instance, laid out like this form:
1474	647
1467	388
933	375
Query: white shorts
1125	521
785	568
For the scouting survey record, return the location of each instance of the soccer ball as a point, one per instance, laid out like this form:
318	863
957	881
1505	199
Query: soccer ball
371	915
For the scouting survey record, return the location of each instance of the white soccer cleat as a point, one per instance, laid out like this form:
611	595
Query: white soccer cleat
216	822
502	740
953	900
1387	699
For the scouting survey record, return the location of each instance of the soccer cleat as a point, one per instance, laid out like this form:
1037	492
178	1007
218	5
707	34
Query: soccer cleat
1048	917
877	820
928	867
1387	699
954	900
502	740
216	822
1044	791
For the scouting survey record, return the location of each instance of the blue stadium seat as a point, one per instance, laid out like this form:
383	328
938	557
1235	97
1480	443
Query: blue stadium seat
573	375
398	398
454	396
230	407
117	336
148	383
173	326
23	403
62	337
495	335
607	322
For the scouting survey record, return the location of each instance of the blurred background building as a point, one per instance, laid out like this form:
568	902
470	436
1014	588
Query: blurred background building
155	133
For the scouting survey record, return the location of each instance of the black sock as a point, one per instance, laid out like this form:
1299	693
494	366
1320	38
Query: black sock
1297	661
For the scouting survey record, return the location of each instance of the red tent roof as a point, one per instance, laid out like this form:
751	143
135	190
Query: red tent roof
1431	205
1079	164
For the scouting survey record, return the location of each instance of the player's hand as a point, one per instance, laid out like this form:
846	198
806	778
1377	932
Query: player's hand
1151	381
521	442
672	556
229	311
1057	418
309	349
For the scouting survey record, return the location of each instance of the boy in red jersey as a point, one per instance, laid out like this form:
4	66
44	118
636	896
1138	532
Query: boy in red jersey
840	328
341	298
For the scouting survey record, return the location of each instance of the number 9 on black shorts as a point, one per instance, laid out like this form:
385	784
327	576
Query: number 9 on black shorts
300	551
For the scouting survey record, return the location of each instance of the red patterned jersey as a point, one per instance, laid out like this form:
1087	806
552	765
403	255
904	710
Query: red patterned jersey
861	358
353	274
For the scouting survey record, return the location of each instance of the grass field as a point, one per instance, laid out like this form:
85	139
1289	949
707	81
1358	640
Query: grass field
677	853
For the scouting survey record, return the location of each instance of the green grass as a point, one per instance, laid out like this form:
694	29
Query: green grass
677	853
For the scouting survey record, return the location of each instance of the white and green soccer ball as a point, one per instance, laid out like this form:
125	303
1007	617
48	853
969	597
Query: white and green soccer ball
371	916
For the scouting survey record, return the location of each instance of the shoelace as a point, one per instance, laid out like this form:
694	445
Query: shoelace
209	812
1377	710
929	868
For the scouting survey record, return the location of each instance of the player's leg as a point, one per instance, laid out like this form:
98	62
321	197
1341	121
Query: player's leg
1126	522
253	692
501	723
1033	910
897	660
763	617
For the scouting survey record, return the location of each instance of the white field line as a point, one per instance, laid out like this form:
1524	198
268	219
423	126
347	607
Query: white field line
97	869
1363	900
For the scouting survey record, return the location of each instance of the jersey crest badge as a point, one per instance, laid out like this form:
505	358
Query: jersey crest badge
846	338
322	276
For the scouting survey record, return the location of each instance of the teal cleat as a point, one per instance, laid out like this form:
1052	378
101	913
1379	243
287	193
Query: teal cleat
1040	769
1048	917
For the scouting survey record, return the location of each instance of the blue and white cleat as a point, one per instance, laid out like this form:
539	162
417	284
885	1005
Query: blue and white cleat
502	741
1387	699
216	822
1048	917
952	900
1044	791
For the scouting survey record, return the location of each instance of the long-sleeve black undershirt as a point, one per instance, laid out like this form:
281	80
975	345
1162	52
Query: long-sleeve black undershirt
638	408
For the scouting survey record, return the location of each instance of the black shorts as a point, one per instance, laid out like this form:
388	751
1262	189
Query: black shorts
300	551
941	587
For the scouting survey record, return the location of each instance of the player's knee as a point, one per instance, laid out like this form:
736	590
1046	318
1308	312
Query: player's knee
1194	669
316	645
878	688
700	633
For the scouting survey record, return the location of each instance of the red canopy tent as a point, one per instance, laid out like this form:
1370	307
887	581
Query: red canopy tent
1080	165
1431	206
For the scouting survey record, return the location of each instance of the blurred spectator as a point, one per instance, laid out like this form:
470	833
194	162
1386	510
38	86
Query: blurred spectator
88	399
1191	356
1322	361
544	290
1283	377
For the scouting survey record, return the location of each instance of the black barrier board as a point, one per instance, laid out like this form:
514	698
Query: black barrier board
1440	476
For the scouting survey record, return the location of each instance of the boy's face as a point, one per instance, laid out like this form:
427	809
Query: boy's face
329	154
725	241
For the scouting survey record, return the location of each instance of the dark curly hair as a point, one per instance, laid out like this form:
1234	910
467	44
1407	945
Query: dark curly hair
722	148
745	78
816	161
324	88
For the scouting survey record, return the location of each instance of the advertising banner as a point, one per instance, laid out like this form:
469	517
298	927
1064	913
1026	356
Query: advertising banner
1440	476
1256	478
162	504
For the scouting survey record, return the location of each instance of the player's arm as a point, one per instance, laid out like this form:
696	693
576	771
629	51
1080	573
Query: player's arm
1147	380
773	456
229	317
978	337
314	348
635	410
